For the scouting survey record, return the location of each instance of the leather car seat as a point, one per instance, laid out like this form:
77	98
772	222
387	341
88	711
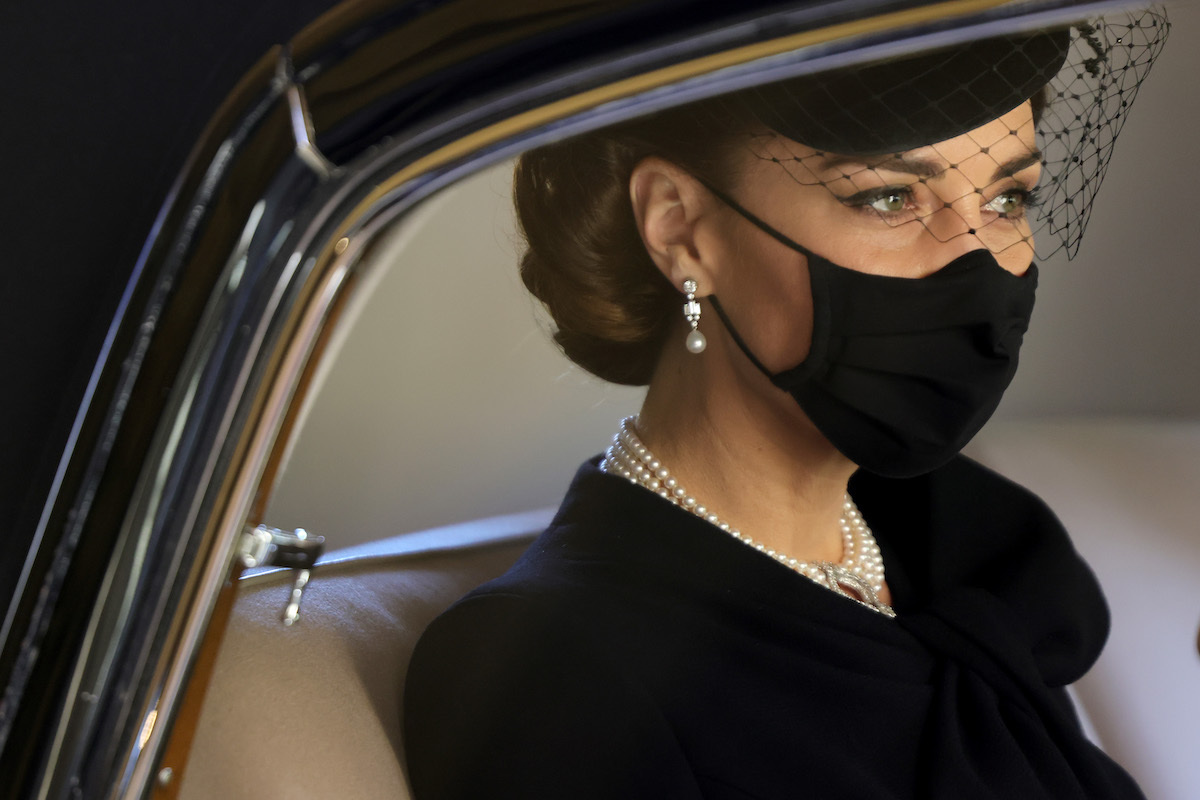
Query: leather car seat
313	710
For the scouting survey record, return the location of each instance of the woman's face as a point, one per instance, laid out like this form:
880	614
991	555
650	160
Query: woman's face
905	215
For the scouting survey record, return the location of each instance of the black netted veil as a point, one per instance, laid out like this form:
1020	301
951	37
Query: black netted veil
1082	80
1089	101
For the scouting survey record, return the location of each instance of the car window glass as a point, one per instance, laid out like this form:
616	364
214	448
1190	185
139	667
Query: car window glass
447	400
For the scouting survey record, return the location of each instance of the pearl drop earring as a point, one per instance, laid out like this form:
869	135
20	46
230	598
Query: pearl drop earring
691	312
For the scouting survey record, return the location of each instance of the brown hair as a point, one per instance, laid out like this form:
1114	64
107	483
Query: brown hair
584	256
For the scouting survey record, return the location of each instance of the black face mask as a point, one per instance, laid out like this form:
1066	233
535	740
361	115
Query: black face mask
903	372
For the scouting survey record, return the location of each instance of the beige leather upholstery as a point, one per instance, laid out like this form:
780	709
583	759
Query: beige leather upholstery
313	711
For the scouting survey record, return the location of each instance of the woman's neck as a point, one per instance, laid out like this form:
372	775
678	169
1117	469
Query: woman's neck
744	449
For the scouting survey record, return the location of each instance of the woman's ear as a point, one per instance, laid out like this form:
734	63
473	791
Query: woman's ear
668	206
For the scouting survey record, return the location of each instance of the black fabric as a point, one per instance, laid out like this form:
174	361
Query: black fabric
902	372
636	651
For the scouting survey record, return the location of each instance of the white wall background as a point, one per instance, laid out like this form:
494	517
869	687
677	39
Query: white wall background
448	401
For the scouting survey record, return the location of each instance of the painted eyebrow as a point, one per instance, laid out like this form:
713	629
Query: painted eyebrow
928	168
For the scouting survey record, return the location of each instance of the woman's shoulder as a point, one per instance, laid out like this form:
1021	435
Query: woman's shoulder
520	608
558	598
553	613
513	693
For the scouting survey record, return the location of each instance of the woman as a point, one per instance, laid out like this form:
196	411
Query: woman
710	614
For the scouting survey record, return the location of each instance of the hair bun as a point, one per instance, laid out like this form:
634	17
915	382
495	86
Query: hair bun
585	260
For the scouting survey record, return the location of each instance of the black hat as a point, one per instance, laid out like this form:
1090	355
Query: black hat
905	103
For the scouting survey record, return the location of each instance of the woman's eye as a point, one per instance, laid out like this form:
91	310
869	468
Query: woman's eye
1009	204
889	202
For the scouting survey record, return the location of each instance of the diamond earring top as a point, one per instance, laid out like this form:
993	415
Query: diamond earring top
691	312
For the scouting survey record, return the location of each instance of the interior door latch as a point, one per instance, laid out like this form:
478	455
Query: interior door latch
263	546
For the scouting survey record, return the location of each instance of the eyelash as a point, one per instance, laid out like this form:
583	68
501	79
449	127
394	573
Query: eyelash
1028	199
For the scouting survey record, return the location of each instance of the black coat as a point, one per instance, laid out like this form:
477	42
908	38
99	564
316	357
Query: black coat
637	651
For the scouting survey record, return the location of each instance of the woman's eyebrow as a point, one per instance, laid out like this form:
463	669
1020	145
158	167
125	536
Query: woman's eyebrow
920	167
928	168
1018	164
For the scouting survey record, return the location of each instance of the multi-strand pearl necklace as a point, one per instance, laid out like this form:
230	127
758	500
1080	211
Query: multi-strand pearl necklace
858	576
